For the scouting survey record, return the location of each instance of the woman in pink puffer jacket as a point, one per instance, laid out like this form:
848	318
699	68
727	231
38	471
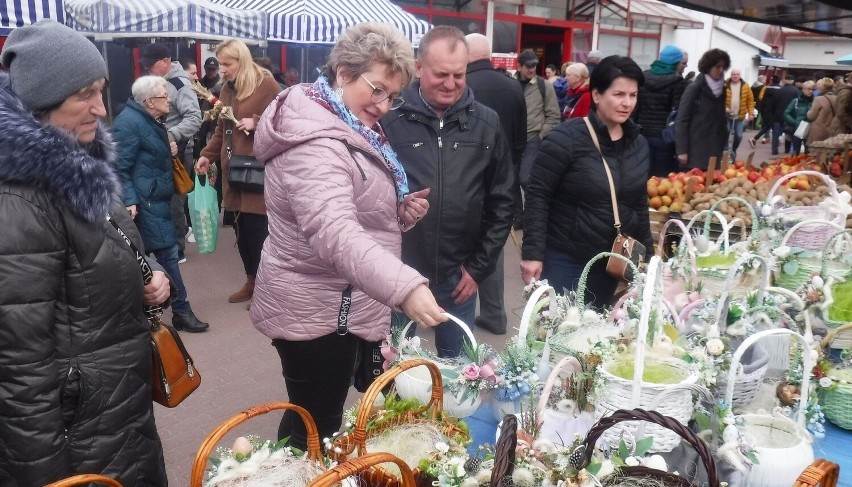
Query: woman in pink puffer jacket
336	199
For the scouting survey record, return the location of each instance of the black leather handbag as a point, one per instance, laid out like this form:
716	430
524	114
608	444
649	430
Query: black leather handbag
245	173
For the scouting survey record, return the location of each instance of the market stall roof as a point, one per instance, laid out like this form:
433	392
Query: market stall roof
833	17
642	11
18	13
197	19
322	21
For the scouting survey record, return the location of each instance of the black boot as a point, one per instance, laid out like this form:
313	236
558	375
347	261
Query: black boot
188	322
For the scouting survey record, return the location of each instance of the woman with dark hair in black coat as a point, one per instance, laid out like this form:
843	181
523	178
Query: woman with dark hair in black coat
701	130
569	215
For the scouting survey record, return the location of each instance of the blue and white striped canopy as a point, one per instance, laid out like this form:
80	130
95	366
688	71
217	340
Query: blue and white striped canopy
18	13
198	19
322	21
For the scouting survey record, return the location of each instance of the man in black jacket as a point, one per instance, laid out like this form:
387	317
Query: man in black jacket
454	145
504	96
661	93
780	100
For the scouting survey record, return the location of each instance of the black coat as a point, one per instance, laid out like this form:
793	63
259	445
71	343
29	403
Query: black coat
465	160
75	358
782	99
505	96
657	97
766	106
702	126
568	206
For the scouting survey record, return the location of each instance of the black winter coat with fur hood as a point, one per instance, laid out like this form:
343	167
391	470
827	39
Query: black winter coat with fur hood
75	363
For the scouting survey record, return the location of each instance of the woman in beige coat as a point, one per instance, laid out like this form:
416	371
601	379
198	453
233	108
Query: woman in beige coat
822	112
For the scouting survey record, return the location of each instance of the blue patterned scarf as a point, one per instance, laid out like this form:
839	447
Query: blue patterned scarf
322	93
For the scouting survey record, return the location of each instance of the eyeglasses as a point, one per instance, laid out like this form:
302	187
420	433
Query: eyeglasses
158	97
379	96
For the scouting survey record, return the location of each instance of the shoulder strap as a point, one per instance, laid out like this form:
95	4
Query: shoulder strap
833	114
539	81
147	274
608	175
229	128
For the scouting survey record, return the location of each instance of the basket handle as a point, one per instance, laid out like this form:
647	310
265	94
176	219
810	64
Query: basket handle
825	250
581	284
755	224
687	310
198	466
821	472
533	306
654	417
683	246
833	333
807	364
573	366
832	187
359	464
435	405
663	303
653	284
462	325
85	479
807	223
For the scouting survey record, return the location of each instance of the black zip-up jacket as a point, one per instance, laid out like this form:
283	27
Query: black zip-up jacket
657	97
568	205
465	160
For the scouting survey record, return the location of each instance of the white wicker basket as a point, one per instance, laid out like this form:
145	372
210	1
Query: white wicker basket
810	238
629	394
416	383
559	426
783	446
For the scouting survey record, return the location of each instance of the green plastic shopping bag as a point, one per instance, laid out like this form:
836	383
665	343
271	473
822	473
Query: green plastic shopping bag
204	213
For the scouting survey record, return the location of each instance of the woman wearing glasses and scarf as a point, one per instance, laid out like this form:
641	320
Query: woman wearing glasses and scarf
338	200
248	89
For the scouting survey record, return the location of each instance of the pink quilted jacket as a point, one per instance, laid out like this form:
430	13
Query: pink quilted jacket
331	204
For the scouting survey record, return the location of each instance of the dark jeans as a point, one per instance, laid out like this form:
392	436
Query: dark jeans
662	156
317	374
168	258
448	335
777	130
251	230
563	272
735	127
796	146
492	309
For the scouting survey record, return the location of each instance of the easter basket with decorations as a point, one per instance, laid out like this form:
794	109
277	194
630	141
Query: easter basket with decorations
566	414
679	269
405	428
837	305
356	472
793	266
253	461
832	209
464	378
835	384
517	371
634	376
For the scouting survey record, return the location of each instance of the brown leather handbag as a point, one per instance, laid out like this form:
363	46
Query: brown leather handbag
183	183
624	245
174	375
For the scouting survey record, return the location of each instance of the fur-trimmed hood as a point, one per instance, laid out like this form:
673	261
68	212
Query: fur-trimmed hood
82	177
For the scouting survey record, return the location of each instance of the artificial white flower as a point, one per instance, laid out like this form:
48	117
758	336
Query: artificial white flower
656	462
442	447
817	282
715	347
631	461
825	382
781	252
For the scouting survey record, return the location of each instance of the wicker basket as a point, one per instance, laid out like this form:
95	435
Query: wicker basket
355	442
314	454
85	479
783	446
828	272
663	422
560	426
415	383
812	236
821	472
360	467
836	403
807	266
674	284
625	394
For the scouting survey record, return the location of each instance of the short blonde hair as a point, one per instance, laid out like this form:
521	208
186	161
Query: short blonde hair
808	85
369	43
825	84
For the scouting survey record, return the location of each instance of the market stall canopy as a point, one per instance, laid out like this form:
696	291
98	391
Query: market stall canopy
196	19
833	17
322	21
18	13
638	10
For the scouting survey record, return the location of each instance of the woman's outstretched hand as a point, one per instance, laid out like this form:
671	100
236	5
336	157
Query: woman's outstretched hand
421	307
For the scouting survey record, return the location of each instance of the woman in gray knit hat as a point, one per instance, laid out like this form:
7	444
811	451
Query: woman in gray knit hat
75	362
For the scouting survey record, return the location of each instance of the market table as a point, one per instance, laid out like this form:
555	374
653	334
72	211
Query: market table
836	446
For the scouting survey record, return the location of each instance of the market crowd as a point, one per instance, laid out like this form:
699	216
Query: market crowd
391	184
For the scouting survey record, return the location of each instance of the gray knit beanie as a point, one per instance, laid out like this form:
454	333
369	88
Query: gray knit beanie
48	62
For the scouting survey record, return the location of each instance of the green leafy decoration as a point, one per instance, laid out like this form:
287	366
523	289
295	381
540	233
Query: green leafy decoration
623	450
643	445
593	469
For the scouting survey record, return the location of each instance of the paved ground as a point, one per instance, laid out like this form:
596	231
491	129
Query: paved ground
240	368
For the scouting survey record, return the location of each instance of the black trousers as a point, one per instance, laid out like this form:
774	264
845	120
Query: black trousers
251	230
318	374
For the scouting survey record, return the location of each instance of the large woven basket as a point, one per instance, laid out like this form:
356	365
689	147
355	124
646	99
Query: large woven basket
812	236
821	472
621	393
560	425
416	383
355	442
827	272
783	446
660	421
836	404
360	468
807	266
314	454
85	479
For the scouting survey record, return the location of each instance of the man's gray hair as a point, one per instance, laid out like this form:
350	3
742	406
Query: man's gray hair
146	86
